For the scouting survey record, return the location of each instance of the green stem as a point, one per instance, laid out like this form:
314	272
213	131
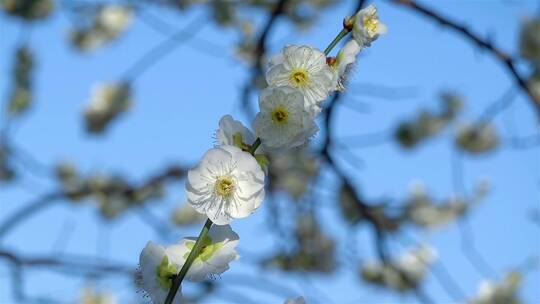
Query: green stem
254	146
338	38
177	280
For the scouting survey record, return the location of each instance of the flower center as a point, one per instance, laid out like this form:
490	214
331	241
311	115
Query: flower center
280	116
165	272
299	77
225	186
371	23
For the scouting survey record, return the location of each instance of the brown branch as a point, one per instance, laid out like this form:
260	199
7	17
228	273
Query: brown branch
47	200
507	61
74	264
257	69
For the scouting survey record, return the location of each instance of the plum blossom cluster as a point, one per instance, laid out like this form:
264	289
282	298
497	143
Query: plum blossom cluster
229	181
402	274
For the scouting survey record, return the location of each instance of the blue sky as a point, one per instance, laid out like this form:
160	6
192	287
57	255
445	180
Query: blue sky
179	101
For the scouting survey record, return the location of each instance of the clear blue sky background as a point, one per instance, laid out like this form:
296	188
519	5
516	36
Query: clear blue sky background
179	101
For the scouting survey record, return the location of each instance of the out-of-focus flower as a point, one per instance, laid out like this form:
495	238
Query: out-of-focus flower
303	67
283	122
107	102
367	26
28	10
353	212
299	300
503	292
6	171
185	215
219	249
529	40
402	274
428	124
423	211
91	296
291	172
315	251
227	184
534	84
477	138
21	93
158	265
109	22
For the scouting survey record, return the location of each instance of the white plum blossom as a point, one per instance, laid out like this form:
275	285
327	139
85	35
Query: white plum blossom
90	296
345	60
185	215
227	184
232	132
367	27
108	100
114	19
219	249
158	265
502	292
529	40
109	22
283	122
305	68
404	273
299	300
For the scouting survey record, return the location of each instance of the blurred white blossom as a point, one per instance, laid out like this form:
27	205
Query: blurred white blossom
403	273
503	292
477	138
299	300
529	40
291	172
186	215
108	23
106	103
90	296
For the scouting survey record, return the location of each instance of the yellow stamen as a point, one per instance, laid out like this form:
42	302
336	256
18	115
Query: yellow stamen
371	23
299	77
225	186
280	116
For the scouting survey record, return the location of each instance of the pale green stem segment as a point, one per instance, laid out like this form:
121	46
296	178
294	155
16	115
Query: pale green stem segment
177	280
334	42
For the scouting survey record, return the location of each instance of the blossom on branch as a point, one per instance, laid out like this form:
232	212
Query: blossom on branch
304	68
218	250
158	265
283	122
227	184
233	133
367	27
345	61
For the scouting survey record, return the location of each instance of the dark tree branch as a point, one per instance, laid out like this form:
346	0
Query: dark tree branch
507	61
